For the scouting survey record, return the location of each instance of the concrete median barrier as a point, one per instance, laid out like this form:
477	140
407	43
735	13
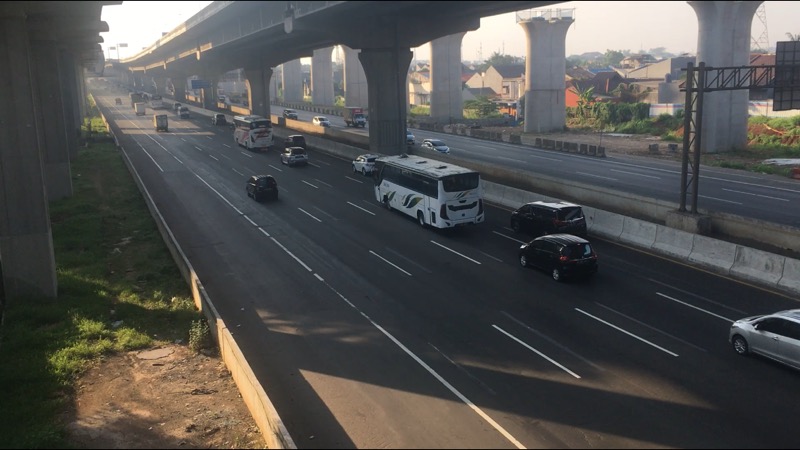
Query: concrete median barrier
713	254
638	232
673	242
757	265
791	276
605	224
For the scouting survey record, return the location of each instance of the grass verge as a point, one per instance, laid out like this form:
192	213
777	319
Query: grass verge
118	290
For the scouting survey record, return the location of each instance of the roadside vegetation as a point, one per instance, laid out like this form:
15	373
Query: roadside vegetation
118	290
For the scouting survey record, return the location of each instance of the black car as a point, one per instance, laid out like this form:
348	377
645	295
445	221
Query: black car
290	114
295	140
219	119
261	187
562	255
541	218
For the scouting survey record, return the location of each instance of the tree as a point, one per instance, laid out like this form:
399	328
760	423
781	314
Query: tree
613	57
585	100
482	106
793	37
630	93
499	59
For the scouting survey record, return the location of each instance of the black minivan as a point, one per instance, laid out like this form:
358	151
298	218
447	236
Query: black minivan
542	218
261	187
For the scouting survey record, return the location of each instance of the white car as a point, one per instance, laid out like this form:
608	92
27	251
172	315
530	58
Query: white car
435	145
364	164
321	121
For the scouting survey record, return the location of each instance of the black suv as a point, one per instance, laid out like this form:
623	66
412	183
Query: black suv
261	187
541	218
290	114
562	255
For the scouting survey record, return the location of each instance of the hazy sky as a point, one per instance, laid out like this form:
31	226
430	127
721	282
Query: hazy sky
599	26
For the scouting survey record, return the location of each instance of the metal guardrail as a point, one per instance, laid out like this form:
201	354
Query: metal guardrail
547	14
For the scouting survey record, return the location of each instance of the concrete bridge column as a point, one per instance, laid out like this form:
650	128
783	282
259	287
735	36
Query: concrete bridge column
26	243
273	85
160	85
322	77
292	79
179	84
545	69
387	77
71	111
257	92
447	102
724	41
356	92
50	115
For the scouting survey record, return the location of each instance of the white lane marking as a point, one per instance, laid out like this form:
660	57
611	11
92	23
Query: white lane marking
519	341
756	195
719	199
459	254
313	165
634	173
213	157
596	176
246	154
326	184
226	145
366	211
276	168
390	263
353	179
198	148
220	195
240	173
508	237
290	253
626	332
651	327
309	214
695	307
251	221
306	182
151	157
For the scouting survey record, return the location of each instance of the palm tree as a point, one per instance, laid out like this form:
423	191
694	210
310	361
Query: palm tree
793	37
585	100
630	93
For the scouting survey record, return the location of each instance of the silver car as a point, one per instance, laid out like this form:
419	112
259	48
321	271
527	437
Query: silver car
776	336
435	145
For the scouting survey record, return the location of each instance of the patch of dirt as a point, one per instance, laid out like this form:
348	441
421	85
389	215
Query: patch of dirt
168	397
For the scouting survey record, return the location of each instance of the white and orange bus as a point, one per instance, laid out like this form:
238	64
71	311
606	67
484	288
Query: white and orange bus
253	132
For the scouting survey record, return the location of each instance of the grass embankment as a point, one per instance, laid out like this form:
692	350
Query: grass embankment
118	290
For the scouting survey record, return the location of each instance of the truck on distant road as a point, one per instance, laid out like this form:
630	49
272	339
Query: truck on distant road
139	107
354	116
136	97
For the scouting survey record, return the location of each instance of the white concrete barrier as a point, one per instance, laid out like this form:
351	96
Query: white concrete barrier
638	232
757	265
713	253
791	275
673	242
604	223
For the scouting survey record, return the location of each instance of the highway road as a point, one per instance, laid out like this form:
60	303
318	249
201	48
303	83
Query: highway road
367	330
764	197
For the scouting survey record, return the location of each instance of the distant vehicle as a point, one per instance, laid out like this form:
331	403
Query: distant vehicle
295	140
290	114
183	112
436	145
294	156
139	107
176	106
136	97
160	122
364	164
117	101
252	132
436	194
561	255
261	187
775	336
156	101
540	218
354	116
321	121
411	140
218	119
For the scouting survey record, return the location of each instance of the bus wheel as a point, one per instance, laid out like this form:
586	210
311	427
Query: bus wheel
386	202
421	219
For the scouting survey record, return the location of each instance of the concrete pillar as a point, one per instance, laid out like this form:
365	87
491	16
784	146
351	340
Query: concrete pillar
72	116
26	243
179	83
356	91
160	85
80	86
387	77
724	41
447	101
545	69
292	79
50	115
322	77
257	93
273	85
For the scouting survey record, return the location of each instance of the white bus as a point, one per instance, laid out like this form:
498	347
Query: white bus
438	194
252	132
156	102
